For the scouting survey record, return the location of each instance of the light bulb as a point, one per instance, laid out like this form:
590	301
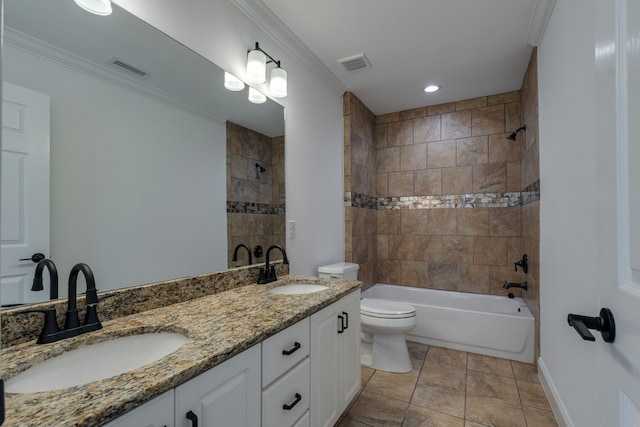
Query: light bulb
97	7
233	83
256	96
278	83
431	88
256	66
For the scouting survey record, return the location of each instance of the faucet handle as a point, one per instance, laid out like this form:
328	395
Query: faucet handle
50	323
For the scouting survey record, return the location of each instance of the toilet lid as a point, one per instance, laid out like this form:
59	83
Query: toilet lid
387	309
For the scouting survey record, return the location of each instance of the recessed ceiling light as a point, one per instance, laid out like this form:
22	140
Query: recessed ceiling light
431	88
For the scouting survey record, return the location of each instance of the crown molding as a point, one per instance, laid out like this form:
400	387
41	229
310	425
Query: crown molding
539	20
48	52
268	22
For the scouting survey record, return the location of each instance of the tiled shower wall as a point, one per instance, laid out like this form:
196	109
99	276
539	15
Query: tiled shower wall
530	211
255	199
361	234
437	197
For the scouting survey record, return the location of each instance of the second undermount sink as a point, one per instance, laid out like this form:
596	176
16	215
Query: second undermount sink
95	362
297	289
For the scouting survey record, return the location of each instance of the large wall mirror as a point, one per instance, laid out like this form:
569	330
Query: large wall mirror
123	150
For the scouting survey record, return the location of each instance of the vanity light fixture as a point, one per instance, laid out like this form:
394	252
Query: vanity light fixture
97	7
257	72
232	83
256	96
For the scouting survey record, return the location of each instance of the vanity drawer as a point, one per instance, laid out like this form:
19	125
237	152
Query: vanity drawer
287	399
284	350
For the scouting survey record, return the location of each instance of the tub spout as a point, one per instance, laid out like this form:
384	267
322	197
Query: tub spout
508	285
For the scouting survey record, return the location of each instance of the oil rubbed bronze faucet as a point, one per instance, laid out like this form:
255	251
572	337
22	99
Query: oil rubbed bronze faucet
508	285
235	253
268	274
51	332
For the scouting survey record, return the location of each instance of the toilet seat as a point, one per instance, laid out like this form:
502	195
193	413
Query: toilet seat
386	309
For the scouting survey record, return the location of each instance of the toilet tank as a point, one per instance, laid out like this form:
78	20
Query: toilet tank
340	270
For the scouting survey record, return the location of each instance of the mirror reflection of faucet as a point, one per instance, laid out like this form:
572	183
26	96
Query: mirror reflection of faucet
235	253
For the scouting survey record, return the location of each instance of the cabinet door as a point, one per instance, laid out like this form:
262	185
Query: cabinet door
155	413
324	355
349	347
225	396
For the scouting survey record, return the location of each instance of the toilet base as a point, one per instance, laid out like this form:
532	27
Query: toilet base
387	353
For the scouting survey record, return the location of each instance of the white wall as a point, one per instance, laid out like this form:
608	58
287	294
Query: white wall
131	194
217	30
568	216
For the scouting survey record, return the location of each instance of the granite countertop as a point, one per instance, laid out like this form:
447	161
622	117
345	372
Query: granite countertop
218	326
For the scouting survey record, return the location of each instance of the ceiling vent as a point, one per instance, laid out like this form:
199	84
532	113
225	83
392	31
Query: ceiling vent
128	69
355	62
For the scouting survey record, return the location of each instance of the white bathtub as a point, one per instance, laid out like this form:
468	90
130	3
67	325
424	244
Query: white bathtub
485	324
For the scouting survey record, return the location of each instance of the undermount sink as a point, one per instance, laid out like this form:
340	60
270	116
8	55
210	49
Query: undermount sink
95	362
297	289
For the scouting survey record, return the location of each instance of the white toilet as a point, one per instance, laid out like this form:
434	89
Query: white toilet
384	324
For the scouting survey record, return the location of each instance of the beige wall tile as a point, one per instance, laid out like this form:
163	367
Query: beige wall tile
400	183
443	222
388	222
382	185
490	251
441	108
488	120
503	150
381	136
441	154
456	125
428	182
414	273
513	118
457	249
413	157
400	133
468	104
443	276
491	177
473	222
505	221
390	272
472	151
428	248
414	221
388	118
382	247
388	160
504	98
473	278
513	177
427	129
457	180
412	114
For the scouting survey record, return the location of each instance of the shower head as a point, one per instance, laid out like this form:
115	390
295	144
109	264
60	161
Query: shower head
260	167
513	135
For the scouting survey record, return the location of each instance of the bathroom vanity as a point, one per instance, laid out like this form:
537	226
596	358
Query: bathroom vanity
253	358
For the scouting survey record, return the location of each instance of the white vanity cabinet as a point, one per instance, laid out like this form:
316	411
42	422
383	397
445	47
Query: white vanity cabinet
335	359
157	412
227	395
285	377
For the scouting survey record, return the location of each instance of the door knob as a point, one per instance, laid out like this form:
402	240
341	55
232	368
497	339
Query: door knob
37	257
603	323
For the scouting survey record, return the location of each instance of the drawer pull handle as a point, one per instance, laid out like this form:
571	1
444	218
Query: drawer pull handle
346	318
294	403
341	330
191	416
295	348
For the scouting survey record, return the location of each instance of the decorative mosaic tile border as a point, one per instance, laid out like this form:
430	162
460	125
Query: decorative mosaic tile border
531	193
476	200
255	208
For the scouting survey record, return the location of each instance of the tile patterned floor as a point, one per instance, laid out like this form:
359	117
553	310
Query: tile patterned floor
451	388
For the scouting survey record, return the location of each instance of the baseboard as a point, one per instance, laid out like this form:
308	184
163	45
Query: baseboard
559	411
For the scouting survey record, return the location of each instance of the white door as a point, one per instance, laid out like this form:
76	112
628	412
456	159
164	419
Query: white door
617	53
25	191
